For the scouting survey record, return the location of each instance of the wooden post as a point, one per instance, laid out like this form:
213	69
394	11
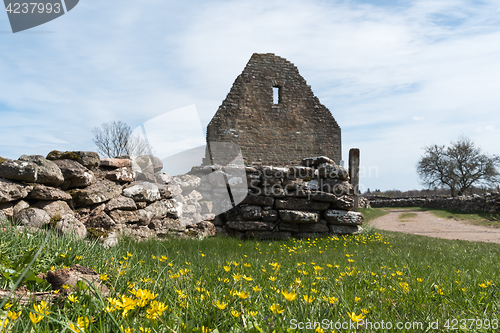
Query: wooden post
354	175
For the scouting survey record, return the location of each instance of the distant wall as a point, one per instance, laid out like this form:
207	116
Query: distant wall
489	203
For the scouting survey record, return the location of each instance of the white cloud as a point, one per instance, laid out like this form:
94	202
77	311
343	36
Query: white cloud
374	67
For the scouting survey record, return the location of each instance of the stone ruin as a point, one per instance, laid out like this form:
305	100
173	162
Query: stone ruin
273	193
274	131
79	193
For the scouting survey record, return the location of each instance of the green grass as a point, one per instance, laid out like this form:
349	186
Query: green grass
224	284
372	213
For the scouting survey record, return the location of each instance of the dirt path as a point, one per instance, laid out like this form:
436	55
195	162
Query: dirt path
429	225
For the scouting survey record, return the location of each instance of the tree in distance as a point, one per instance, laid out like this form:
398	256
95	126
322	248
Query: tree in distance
115	139
459	166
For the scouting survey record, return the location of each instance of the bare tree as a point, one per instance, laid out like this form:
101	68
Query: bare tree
115	139
459	167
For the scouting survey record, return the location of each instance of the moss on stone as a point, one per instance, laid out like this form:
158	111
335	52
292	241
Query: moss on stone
54	155
70	155
54	219
2	159
96	233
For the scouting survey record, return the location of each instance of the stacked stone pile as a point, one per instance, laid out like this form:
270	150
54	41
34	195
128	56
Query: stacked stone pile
310	200
77	192
489	203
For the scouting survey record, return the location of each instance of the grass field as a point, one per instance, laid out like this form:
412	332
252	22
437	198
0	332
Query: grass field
344	284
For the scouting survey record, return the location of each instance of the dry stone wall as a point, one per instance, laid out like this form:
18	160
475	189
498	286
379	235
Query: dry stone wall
78	193
489	203
314	199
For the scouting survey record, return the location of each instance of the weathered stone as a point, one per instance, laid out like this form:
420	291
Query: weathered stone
142	191
3	219
74	275
149	161
191	209
130	217
201	230
290	227
19	170
69	225
7	207
115	162
42	192
267	234
342	217
164	208
296	216
163	178
165	193
208	217
323	196
75	174
344	229
328	170
250	225
164	226
20	206
102	191
344	202
141	204
290	185
300	172
194	196
122	175
32	217
314	227
270	215
206	207
101	220
251	212
54	208
137	231
336	186
301	204
258	200
174	190
88	159
275	191
187	182
121	202
48	172
316	161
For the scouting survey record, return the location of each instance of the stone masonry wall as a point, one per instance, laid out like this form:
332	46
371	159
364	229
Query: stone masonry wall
490	203
79	193
311	200
274	134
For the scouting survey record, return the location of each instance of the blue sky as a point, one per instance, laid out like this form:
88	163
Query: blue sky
396	75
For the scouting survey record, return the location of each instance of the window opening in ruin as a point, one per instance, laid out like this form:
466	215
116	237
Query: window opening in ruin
276	95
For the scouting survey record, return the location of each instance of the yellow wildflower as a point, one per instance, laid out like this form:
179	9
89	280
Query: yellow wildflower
289	296
276	308
235	313
355	317
221	305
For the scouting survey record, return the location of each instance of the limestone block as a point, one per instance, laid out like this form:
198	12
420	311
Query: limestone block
42	192
88	159
344	229
342	217
69	225
75	174
32	217
296	216
142	191
121	202
115	162
301	204
53	208
122	175
102	191
328	170
250	225
48	172
316	161
18	170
